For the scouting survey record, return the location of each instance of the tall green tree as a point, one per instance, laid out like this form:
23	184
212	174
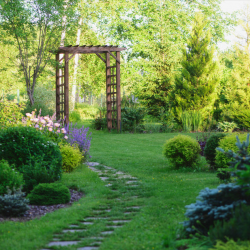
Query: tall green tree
195	87
36	26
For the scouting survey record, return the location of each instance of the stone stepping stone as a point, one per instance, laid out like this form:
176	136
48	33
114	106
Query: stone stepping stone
120	172
87	223
92	164
113	226
73	230
108	167
107	232
97	238
120	221
87	248
95	170
95	218
131	182
63	243
73	226
104	178
134	207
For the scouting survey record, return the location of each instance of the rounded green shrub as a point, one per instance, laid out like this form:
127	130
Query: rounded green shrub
182	151
49	194
32	153
227	143
9	177
210	148
75	116
236	228
71	157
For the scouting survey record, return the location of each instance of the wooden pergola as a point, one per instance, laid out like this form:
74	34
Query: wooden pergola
113	94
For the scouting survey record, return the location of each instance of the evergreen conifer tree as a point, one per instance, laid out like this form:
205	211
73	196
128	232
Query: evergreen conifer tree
195	86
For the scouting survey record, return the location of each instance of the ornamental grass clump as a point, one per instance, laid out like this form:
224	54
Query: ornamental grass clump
182	151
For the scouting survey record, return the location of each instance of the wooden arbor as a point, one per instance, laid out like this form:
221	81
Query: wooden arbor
113	94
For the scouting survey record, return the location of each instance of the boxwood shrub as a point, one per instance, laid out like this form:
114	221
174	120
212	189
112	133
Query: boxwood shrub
182	151
49	194
32	153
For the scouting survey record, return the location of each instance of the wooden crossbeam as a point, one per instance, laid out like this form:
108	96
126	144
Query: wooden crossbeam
71	57
114	57
101	57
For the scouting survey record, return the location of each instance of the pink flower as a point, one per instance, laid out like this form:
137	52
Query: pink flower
50	129
65	137
28	114
36	126
43	121
40	128
63	130
35	119
58	131
57	125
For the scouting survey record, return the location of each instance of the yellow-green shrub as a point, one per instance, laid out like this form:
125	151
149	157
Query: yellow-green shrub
231	245
182	151
71	157
227	143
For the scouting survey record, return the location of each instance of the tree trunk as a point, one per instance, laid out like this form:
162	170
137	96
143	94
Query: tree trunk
75	90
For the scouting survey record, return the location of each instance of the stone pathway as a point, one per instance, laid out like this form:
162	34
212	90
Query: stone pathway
122	204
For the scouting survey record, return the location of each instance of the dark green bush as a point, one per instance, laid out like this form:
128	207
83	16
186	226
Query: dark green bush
182	151
131	117
13	204
210	148
32	153
49	194
9	177
99	123
237	228
213	205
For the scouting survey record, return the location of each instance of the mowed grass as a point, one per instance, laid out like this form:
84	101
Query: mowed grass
163	196
166	191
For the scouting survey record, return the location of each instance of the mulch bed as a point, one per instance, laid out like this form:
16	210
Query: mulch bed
38	211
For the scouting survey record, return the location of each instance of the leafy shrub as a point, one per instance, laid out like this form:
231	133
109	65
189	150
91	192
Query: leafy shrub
241	164
210	148
227	143
213	205
49	194
79	137
44	97
231	245
236	228
182	151
99	123
29	150
71	157
10	114
13	204
131	117
74	116
86	111
9	177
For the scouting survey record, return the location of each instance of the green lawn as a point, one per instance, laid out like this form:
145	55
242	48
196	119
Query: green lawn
163	196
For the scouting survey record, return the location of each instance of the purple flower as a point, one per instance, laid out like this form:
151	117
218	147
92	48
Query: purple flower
79	136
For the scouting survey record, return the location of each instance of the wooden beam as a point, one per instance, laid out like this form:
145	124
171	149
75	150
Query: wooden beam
118	91
88	49
66	88
57	88
61	59
117	60
101	57
71	57
108	90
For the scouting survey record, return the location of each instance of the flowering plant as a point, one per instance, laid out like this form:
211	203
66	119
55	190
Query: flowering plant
46	125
